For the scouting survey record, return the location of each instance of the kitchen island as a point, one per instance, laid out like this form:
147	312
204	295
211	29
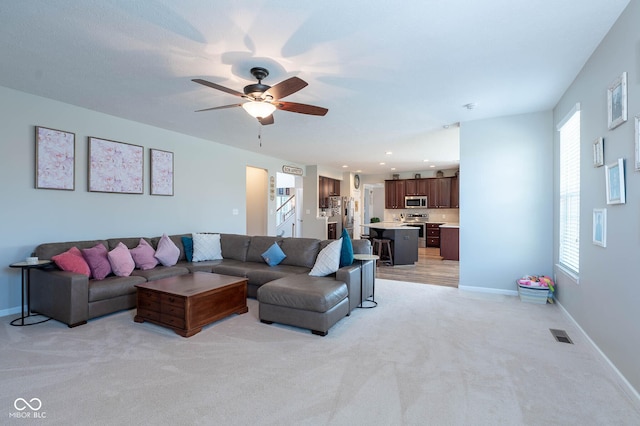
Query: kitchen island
404	240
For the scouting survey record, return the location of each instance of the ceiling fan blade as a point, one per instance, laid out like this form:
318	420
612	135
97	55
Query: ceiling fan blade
217	86
300	108
220	107
286	87
266	120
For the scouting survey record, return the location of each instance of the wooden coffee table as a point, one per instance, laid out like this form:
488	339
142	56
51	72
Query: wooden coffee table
188	302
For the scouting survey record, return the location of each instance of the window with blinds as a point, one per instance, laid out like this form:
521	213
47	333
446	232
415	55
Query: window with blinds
570	191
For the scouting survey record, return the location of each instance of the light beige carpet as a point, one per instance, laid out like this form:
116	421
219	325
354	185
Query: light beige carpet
427	355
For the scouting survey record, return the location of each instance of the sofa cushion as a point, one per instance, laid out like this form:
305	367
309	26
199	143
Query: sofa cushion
167	252
48	250
112	286
72	261
300	251
130	243
235	268
122	263
98	261
346	253
317	294
258	245
234	246
328	260
274	255
144	255
160	272
206	247
187	244
262	274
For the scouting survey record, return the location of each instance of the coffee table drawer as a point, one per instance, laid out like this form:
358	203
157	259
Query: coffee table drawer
148	314
172	321
173	310
170	299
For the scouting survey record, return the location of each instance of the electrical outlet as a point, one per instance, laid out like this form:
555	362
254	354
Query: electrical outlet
235	212
443	216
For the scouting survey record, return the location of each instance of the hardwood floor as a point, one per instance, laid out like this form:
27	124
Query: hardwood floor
429	269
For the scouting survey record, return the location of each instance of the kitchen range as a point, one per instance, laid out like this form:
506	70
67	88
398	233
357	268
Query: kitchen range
418	220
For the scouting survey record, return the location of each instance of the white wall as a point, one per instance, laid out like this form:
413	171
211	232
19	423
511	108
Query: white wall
606	301
209	184
506	223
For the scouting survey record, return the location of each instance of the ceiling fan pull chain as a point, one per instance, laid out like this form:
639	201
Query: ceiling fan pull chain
260	135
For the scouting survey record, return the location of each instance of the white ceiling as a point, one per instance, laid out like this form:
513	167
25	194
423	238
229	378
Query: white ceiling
392	74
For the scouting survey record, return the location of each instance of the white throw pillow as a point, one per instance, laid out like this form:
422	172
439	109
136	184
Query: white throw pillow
206	247
328	260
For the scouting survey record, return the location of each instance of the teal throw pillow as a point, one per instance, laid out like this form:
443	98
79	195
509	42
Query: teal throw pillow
187	243
346	255
274	255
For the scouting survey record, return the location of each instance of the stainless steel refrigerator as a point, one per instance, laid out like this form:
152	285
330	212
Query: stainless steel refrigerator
348	212
335	213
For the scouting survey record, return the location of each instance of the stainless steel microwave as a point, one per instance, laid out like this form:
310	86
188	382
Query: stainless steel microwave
415	202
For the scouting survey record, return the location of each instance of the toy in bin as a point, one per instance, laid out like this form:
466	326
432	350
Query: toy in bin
536	289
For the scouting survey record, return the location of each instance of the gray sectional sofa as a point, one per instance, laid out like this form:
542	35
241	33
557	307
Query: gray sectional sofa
286	292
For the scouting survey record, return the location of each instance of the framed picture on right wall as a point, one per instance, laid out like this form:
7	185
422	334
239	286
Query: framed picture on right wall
614	175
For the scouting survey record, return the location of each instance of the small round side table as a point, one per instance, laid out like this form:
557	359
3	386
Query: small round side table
26	287
363	258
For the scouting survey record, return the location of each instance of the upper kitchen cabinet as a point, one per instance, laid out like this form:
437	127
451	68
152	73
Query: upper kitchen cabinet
416	187
327	187
394	191
455	193
439	193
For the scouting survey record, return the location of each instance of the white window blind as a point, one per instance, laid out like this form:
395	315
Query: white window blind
570	191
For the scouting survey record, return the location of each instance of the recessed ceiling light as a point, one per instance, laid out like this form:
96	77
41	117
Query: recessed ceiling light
382	164
393	168
359	171
432	166
345	166
426	160
389	153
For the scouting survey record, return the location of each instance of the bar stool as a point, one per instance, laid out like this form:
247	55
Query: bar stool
380	246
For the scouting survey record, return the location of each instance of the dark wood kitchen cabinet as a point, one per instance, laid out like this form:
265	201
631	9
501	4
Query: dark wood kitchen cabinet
327	187
433	234
455	193
449	243
394	194
416	187
439	193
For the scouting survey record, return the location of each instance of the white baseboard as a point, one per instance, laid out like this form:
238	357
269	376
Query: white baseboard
10	311
632	391
488	290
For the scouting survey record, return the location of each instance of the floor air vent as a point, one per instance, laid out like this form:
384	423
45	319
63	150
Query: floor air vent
560	336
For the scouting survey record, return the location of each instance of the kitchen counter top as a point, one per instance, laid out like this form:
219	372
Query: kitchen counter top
450	225
388	225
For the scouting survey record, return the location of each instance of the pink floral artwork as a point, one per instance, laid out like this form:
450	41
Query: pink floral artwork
161	172
55	159
115	167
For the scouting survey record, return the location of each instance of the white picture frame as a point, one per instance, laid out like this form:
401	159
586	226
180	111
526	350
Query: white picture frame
598	152
617	101
614	177
600	227
637	143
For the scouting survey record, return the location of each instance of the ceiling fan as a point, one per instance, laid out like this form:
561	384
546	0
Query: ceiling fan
263	100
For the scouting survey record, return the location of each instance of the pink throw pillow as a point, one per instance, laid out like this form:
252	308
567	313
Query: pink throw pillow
167	252
97	260
121	261
143	255
72	261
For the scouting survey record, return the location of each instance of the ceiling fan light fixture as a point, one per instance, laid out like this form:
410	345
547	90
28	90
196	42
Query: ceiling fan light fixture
259	109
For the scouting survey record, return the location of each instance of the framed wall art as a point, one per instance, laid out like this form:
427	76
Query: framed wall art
55	159
600	227
617	101
614	174
637	143
598	152
161	172
115	167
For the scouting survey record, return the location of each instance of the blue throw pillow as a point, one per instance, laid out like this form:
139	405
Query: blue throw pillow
187	242
274	255
346	255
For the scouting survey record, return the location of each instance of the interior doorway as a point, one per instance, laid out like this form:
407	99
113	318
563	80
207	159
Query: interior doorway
257	188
